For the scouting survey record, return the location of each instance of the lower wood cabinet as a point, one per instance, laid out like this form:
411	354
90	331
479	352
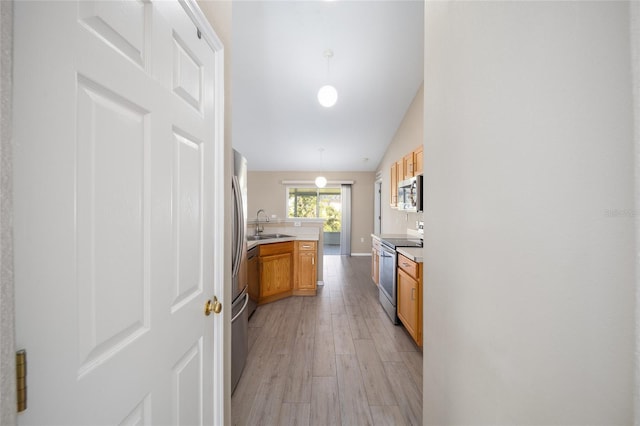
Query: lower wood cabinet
305	268
284	269
410	296
276	271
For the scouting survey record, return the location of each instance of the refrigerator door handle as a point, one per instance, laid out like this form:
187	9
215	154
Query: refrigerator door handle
246	301
239	227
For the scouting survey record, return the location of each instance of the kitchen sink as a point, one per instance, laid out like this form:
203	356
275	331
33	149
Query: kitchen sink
267	237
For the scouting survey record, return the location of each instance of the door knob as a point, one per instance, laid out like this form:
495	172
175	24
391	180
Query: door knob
215	306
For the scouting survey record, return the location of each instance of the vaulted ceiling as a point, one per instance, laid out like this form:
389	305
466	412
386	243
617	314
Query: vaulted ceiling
278	65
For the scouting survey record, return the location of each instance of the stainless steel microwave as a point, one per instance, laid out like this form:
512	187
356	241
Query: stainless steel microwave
410	194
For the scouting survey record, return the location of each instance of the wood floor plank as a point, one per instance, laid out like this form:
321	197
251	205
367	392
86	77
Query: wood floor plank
384	345
265	409
373	375
323	313
342	339
357	322
398	335
309	366
246	392
387	415
413	361
298	383
337	305
407	393
324	355
295	414
325	404
307	323
354	407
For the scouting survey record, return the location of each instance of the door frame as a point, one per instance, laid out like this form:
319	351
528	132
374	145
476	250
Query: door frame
377	206
221	381
221	375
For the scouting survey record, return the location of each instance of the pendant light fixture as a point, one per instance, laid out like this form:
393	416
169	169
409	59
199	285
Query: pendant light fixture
321	181
328	95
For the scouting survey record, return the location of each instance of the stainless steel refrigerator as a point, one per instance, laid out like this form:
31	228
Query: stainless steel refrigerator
240	294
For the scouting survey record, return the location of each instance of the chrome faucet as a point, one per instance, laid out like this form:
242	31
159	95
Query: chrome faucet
259	228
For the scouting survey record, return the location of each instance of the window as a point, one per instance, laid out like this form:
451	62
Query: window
312	202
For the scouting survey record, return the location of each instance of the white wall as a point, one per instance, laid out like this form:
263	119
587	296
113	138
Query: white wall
635	40
407	138
529	263
7	342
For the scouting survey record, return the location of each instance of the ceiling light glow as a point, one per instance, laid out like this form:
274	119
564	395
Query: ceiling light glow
321	181
327	96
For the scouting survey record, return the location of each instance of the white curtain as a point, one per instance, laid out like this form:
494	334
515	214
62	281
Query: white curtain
345	234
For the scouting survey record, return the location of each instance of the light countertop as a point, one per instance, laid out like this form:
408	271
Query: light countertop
303	237
413	253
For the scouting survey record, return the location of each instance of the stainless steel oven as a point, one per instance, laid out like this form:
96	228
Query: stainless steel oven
387	283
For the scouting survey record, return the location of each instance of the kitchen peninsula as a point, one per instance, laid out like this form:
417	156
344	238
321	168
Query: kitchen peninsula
283	260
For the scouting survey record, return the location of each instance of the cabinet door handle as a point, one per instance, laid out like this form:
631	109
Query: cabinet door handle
413	294
313	260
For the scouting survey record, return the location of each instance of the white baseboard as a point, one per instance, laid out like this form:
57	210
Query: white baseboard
360	254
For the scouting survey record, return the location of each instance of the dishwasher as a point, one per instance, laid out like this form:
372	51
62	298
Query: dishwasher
253	278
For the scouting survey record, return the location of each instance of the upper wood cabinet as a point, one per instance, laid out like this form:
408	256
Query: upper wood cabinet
399	171
408	162
393	200
409	166
418	161
413	163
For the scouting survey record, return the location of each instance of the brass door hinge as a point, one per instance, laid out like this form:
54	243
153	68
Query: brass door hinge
21	379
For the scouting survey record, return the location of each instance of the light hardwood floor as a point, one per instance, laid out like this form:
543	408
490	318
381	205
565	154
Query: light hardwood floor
333	359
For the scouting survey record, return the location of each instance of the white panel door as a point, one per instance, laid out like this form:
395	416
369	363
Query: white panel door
114	158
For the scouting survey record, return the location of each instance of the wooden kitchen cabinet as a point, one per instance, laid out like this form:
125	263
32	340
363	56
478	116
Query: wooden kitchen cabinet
408	164
375	260
418	161
393	174
413	163
305	268
276	271
396	175
410	296
399	172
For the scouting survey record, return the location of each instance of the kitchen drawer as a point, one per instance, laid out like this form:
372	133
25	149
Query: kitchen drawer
409	266
375	243
306	245
276	248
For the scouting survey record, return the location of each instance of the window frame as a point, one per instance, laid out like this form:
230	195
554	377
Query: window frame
310	186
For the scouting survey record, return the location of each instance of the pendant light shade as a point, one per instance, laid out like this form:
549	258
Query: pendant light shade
327	96
321	181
